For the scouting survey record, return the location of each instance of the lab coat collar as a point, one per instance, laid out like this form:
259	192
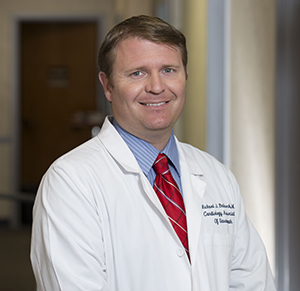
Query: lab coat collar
117	147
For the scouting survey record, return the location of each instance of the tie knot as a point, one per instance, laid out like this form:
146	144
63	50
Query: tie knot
161	165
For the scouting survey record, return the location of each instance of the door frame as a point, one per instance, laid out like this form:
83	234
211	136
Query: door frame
15	217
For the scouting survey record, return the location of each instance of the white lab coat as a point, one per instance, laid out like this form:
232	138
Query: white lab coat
98	225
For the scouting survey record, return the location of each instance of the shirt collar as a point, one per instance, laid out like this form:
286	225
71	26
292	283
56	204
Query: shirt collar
145	153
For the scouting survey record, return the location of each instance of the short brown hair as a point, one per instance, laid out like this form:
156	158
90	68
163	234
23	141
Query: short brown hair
144	27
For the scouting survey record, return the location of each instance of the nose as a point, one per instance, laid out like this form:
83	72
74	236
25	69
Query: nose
155	84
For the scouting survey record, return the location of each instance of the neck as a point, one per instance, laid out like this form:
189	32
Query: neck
158	140
159	145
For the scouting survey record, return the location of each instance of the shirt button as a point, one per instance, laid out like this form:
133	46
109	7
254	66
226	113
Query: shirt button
180	252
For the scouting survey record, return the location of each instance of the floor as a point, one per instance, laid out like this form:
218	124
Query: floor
15	268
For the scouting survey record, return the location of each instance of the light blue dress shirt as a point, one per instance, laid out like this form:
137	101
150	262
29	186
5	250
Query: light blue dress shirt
146	154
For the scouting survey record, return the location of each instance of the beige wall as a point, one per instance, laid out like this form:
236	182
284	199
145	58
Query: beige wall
128	8
193	119
253	110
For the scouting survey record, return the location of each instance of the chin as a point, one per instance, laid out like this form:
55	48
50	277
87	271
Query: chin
162	125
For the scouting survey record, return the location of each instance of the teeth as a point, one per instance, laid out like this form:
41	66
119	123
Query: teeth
155	104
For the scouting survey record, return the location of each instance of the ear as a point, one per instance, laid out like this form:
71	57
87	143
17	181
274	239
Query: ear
106	86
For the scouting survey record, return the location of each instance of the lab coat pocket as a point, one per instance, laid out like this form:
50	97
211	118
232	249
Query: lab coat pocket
216	259
218	250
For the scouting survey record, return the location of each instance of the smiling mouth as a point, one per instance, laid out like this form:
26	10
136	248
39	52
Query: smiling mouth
154	104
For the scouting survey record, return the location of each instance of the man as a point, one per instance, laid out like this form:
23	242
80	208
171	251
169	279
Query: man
109	216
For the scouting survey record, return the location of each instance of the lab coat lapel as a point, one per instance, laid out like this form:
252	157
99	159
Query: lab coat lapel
117	147
193	189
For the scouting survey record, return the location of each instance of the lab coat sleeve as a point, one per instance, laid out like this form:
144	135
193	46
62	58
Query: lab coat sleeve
250	267
67	250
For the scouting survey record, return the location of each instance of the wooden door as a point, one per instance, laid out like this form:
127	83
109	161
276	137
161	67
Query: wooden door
59	80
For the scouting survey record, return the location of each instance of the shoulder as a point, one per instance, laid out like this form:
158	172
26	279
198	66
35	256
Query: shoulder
79	164
83	152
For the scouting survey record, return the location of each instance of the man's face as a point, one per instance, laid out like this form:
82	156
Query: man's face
149	85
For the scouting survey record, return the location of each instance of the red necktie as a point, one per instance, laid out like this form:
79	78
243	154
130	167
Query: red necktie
170	198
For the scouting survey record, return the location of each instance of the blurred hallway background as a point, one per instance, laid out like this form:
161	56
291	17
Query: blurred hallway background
242	107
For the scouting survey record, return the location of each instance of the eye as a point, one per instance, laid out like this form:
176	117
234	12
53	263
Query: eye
168	70
137	73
